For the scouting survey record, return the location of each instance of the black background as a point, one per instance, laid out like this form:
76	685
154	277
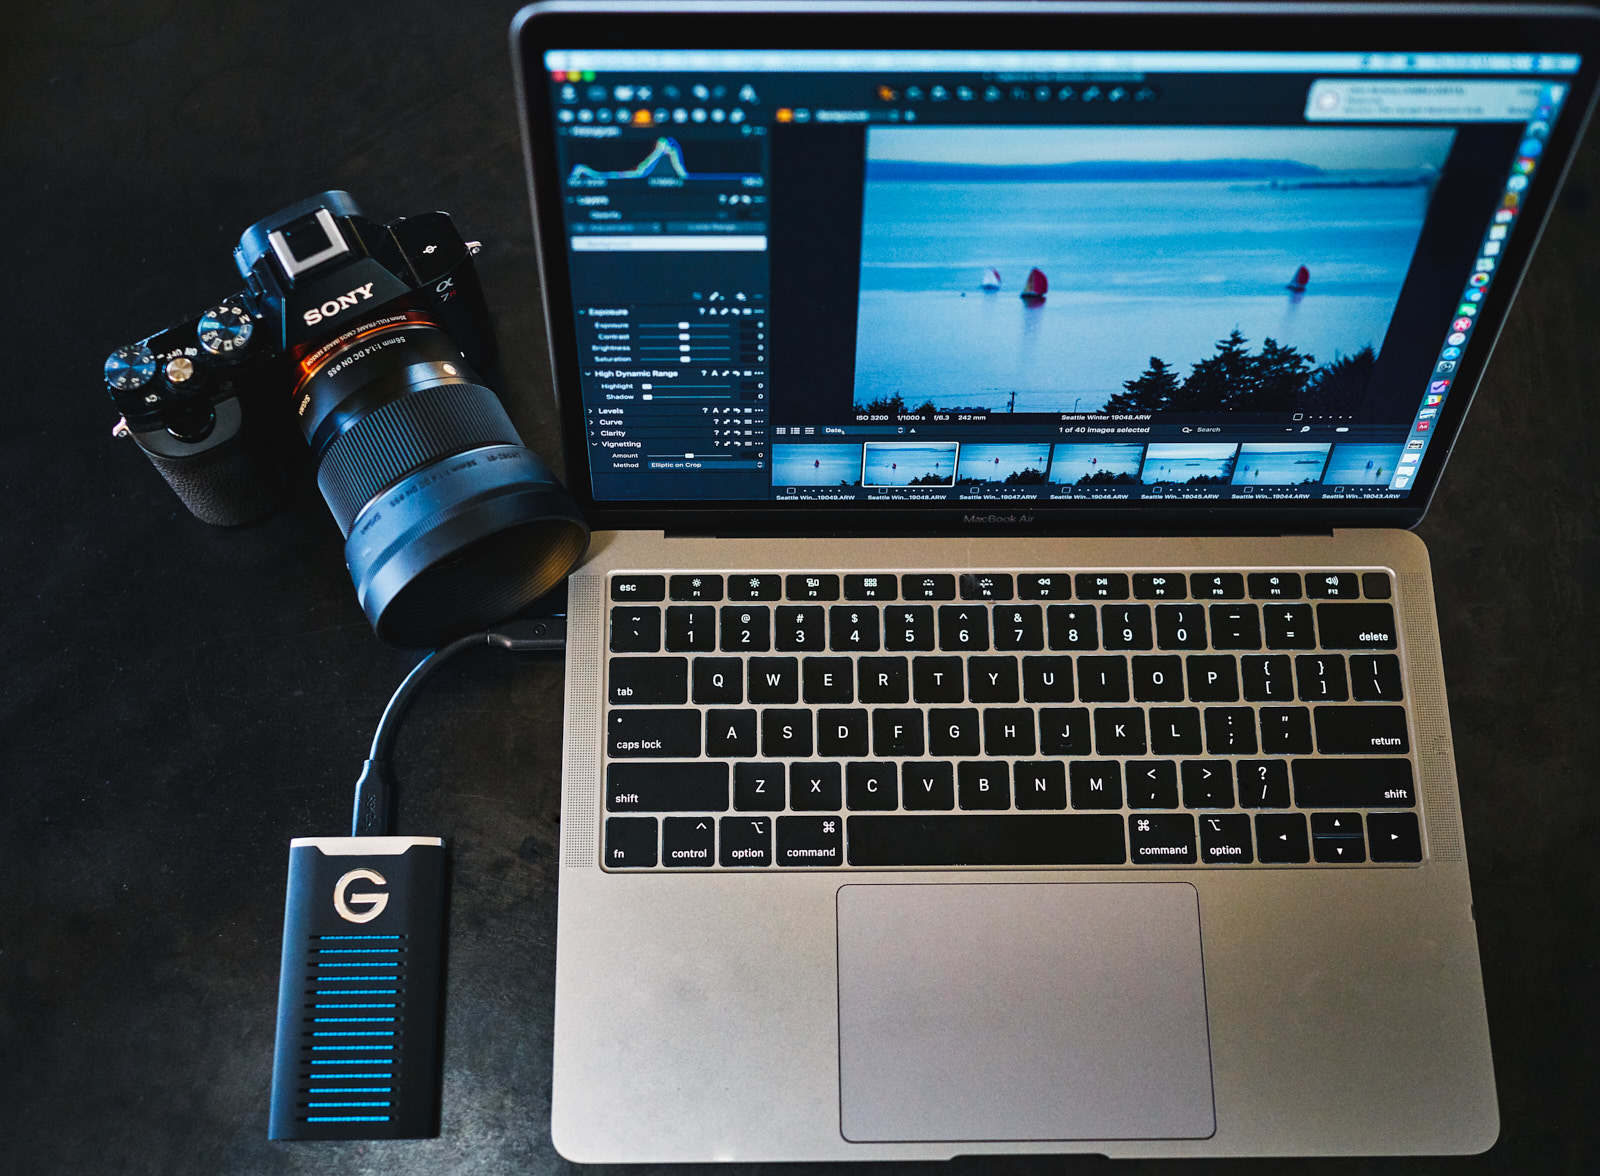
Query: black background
179	701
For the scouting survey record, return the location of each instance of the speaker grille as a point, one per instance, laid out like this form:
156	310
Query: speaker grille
580	778
1436	761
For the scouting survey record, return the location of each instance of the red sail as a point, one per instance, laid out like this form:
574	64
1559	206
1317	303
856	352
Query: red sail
1302	277
1036	287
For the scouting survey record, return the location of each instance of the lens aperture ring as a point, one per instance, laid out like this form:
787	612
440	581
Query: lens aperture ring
404	435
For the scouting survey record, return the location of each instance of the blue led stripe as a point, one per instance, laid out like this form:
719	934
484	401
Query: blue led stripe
354	1033
348	1104
389	1048
352	964
358	937
359	950
347	1118
390	1005
348	1020
358	992
350	1090
383	1074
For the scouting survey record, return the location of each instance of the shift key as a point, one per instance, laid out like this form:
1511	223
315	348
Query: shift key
671	734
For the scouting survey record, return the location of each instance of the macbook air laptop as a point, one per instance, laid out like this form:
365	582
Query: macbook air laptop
1004	709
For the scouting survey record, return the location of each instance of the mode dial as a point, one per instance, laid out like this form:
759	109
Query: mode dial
225	330
130	368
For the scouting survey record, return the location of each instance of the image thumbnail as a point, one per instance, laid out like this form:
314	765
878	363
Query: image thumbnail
1362	465
1003	465
1188	465
897	464
1161	269
816	465
1096	465
1283	464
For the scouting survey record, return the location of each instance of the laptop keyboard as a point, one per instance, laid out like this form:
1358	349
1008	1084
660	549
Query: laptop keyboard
759	720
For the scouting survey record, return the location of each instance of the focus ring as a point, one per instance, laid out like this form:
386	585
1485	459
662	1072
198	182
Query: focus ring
398	437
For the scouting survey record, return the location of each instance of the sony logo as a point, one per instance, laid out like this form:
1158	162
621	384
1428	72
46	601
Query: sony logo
334	305
997	518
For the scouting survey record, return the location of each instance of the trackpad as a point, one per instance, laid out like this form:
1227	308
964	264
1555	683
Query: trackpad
1022	1011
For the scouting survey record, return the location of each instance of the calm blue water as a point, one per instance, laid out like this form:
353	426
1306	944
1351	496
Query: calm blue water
1135	270
1279	465
995	463
1184	463
1362	465
900	465
1072	463
816	465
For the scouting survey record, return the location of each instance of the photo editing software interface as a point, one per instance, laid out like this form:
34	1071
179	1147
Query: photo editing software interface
805	276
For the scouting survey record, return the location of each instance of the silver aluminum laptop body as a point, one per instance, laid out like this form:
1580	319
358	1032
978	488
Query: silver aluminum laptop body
1138	1009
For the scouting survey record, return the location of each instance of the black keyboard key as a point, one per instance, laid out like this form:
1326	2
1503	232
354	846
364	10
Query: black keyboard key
828	679
1064	730
1125	626
896	733
1032	839
1267	678
1045	586
811	841
1286	730
1119	731
1230	730
985	586
695	587
1217	585
754	587
1157	679
1336	838
658	734
1288	626
1281	839
744	842
1263	783
983	784
1181	626
811	586
1101	586
871	786
1152	784
852	629
1040	784
816	787
937	679
1394	837
1375	677
1356	626
992	679
1096	784
953	731
630	842
691	628
758	788
876	586
638	587
842	732
929	785
1019	626
1046	679
1235	626
1161	837
1332	585
785	734
635	630
963	626
1321	677
643	681
883	679
928	587
1103	679
1275	585
700	786
688	841
1008	732
908	627
1375	585
1224	838
1159	586
1207	784
774	679
1213	679
730	734
799	627
1072	626
1175	730
718	679
1361	730
746	628
1354	783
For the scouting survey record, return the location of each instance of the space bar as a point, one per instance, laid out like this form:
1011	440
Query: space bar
1087	839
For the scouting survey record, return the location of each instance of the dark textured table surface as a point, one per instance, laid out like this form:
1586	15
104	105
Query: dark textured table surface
179	701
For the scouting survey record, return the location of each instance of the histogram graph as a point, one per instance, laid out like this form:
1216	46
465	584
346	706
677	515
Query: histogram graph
664	161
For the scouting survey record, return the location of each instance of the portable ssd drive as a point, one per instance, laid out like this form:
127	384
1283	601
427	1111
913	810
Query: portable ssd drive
359	991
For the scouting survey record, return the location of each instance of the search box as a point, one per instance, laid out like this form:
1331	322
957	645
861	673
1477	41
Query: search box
1343	100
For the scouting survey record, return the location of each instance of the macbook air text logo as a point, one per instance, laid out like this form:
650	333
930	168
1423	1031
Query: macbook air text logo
342	898
997	518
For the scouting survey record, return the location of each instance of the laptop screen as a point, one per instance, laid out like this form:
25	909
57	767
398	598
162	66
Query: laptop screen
1008	278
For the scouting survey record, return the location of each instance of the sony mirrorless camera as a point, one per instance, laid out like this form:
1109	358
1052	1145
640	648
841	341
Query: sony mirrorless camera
364	339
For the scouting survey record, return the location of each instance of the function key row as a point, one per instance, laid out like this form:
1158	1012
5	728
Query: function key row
769	586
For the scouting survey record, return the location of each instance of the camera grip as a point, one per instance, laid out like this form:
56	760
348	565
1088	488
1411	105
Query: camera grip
224	485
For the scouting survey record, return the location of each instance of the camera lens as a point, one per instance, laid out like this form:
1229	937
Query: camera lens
450	522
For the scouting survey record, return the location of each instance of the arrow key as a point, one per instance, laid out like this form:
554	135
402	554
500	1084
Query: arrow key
1394	837
1281	838
688	841
1336	837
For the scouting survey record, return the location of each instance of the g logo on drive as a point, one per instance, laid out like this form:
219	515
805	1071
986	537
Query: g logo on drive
342	898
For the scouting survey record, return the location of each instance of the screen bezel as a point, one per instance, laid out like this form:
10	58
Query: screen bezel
577	24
